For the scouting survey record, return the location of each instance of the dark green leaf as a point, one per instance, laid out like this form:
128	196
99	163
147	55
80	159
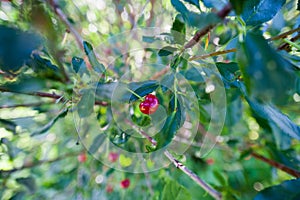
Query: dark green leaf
98	67
229	72
287	190
25	83
39	64
214	4
238	6
165	51
167	82
16	47
178	30
9	125
275	118
99	139
121	92
193	74
165	136
193	19
268	76
174	191
79	66
28	182
86	103
298	5
256	12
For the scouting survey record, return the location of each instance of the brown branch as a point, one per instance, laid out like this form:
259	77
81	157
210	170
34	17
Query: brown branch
277	165
285	34
286	46
46	95
199	34
194	177
212	54
160	73
65	20
35	164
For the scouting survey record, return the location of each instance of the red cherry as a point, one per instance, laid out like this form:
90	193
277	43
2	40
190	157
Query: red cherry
149	105
81	157
109	189
210	161
125	183
113	157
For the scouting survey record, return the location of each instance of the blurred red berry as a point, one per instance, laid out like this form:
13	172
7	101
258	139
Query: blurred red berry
81	157
210	161
109	189
125	183
113	157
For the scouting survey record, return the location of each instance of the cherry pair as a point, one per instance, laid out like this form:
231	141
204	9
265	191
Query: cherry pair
149	105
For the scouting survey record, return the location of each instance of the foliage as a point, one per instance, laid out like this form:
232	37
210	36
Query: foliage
67	64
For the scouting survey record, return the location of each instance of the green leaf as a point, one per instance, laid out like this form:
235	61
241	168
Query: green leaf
178	30
8	125
98	67
79	66
105	91
165	51
256	12
25	83
86	103
42	66
237	6
165	136
193	19
99	139
268	76
174	191
275	118
218	4
16	47
45	128
287	190
167	82
193	74
29	183
229	72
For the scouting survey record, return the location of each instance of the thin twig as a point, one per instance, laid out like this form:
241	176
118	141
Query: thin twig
65	20
212	54
194	176
34	164
199	34
285	34
160	73
47	95
277	165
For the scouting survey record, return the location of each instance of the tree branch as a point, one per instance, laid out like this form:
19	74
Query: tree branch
212	54
40	162
286	46
285	34
65	20
194	176
47	95
199	34
277	165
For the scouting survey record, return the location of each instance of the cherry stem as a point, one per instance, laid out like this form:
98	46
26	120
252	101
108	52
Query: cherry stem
135	94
